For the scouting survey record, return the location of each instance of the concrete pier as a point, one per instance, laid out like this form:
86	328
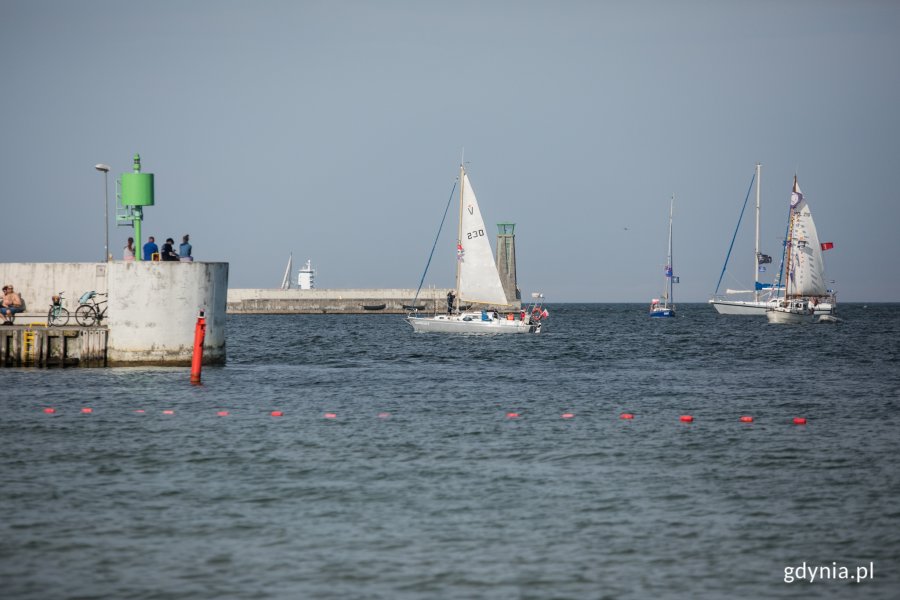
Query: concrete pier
153	308
41	346
150	315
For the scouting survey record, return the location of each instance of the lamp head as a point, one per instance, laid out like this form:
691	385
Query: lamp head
102	167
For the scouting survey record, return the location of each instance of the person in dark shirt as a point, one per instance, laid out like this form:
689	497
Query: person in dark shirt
168	252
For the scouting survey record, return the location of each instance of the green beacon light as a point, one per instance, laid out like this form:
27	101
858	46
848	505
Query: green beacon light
134	193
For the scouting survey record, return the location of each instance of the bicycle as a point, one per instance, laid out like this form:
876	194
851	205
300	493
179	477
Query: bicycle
88	314
57	315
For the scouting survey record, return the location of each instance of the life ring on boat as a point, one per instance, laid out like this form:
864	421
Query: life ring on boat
536	314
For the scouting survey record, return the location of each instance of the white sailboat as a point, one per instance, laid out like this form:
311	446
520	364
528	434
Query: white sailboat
763	295
806	294
666	308
286	280
477	282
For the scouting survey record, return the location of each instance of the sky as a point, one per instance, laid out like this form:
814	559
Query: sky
334	130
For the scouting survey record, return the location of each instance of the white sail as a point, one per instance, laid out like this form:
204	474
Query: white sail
479	280
806	276
286	280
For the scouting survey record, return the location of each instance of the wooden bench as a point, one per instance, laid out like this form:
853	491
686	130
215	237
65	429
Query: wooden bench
31	317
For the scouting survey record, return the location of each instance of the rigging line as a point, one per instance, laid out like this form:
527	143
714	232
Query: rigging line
784	247
421	281
727	256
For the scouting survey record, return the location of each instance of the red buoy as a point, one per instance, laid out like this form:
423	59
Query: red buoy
687	419
197	357
512	415
49	411
140	411
799	421
222	413
331	415
168	412
277	413
568	415
384	415
87	410
746	419
626	416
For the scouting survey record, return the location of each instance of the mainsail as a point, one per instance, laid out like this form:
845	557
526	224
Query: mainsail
806	265
478	278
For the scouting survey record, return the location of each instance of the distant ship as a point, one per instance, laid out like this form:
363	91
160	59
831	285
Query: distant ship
306	277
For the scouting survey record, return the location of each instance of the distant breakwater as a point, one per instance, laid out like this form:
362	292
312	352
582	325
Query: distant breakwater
335	301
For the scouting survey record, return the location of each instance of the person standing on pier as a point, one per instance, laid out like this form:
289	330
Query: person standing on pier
150	248
451	297
128	253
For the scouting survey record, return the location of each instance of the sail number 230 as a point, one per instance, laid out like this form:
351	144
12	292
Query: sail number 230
474	234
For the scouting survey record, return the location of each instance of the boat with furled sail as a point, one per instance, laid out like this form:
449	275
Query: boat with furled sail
666	308
763	295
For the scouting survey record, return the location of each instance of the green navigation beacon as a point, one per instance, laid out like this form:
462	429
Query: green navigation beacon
134	193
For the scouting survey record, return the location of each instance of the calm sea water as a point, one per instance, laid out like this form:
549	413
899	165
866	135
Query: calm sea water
422	486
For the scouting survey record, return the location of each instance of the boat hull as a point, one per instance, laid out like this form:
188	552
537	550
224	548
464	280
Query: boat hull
758	309
782	315
662	313
798	310
745	308
471	323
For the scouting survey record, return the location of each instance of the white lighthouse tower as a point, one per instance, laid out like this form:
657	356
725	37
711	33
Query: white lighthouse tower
306	277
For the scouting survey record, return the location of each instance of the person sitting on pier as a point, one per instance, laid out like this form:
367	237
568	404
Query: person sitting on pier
12	304
168	252
184	251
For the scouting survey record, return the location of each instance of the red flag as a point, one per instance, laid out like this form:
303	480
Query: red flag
827	245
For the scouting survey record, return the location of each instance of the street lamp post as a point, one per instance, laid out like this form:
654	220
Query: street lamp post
105	169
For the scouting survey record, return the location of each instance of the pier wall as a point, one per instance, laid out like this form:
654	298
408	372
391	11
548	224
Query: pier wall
341	301
151	313
153	308
37	282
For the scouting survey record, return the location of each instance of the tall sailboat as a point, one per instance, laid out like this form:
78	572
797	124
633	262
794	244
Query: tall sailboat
763	294
666	308
477	282
806	294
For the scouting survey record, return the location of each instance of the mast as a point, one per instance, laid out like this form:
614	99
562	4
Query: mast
756	255
789	242
462	185
671	268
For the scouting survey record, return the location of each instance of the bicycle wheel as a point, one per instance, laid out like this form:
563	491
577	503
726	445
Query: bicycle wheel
85	315
58	316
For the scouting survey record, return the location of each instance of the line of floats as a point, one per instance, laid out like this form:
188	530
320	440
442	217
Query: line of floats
386	415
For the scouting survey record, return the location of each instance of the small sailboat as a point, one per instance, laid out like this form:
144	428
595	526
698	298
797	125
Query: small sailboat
736	302
477	283
286	280
806	295
666	308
